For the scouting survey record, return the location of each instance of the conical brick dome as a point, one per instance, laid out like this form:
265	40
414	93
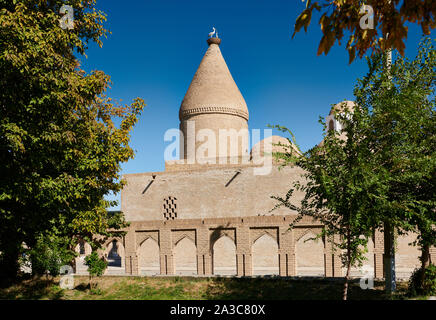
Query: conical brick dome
213	105
213	90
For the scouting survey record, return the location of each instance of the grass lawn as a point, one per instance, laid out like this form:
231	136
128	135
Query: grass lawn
189	288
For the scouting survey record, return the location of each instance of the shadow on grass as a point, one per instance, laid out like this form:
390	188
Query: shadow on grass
269	288
82	287
188	288
28	288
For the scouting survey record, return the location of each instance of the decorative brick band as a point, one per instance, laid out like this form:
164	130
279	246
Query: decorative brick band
212	109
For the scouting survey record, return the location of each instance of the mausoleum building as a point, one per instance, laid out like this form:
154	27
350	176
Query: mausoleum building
209	213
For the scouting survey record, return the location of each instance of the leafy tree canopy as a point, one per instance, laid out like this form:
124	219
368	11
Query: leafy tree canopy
334	185
381	166
401	104
61	149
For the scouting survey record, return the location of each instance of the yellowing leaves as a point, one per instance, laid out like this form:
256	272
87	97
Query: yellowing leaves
303	20
389	19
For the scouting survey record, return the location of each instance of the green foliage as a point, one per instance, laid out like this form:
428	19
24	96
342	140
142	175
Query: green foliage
61	149
49	254
381	167
335	184
401	134
194	288
291	152
96	291
420	284
96	265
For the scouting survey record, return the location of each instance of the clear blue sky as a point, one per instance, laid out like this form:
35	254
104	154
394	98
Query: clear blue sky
156	46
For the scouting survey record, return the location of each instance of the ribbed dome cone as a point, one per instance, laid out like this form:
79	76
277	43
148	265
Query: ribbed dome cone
213	89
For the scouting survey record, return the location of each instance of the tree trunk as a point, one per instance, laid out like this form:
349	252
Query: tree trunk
347	279
425	256
9	265
389	258
347	276
425	261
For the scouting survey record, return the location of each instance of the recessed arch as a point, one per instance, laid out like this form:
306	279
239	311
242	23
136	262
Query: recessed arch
331	125
184	236
148	257
83	249
309	255
115	257
261	232
367	267
265	257
224	256
216	234
185	257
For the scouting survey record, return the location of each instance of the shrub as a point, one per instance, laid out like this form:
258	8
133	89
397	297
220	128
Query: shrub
419	287
96	266
49	254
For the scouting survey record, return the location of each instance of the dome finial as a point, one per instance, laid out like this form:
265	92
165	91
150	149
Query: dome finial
212	33
212	39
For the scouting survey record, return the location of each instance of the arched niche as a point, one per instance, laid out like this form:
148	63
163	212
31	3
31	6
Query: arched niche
265	258
309	256
115	257
83	249
331	125
224	256
367	267
148	257
185	257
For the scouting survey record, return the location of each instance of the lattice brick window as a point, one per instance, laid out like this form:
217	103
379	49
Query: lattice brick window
170	208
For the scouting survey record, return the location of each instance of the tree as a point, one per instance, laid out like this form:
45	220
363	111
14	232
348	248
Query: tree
96	267
389	19
61	149
403	141
381	168
335	183
49	254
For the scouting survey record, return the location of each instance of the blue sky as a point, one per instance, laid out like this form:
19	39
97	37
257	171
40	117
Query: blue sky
156	46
